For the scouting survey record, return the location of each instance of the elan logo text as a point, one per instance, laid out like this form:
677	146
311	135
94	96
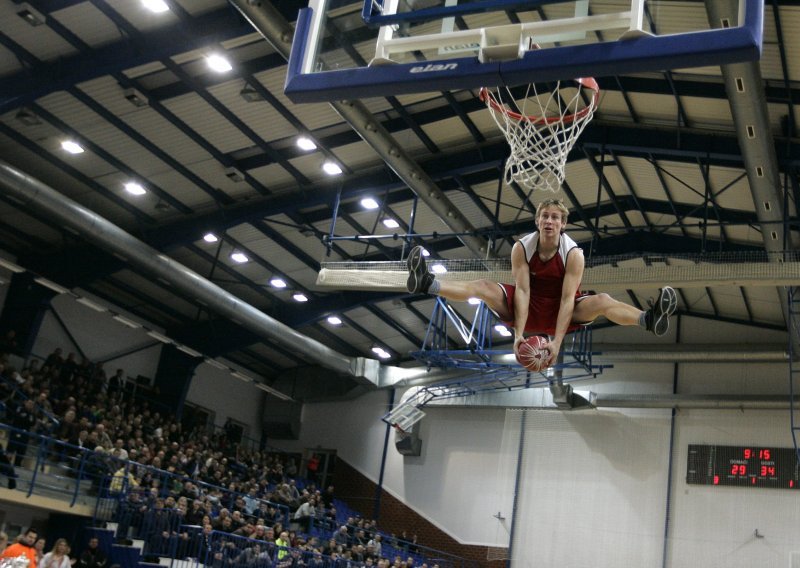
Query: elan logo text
433	67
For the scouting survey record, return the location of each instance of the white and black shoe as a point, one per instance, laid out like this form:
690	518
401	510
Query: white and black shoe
419	279
657	317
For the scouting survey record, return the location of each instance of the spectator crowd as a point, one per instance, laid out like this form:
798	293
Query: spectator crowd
196	493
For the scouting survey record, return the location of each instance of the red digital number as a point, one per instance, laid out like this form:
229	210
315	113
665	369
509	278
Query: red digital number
737	469
764	470
748	453
764	454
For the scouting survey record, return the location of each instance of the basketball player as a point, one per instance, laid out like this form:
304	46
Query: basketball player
547	266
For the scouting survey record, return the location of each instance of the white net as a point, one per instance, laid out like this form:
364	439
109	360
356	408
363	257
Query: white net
541	128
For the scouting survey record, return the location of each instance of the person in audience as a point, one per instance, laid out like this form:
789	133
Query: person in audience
58	557
23	418
93	556
7	469
23	548
283	544
305	514
38	547
376	544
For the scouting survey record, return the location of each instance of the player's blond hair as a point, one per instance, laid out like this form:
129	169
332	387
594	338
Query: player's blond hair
557	203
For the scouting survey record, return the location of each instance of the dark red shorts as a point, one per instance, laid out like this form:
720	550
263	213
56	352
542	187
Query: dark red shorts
542	312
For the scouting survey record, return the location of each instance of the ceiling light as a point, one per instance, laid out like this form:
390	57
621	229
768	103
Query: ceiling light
242	376
381	352
159	337
306	143
11	266
438	269
474	301
136	98
369	203
331	168
278	282
250	95
30	15
157	6
27	117
333	320
127	322
300	297
272	391
71	147
210	238
218	63
239	257
52	285
426	252
135	188
502	330
390	223
92	305
189	351
216	364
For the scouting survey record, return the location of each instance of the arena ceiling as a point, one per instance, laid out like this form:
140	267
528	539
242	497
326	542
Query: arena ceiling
660	174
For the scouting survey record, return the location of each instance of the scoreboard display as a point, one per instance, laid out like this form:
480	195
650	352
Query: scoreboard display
743	466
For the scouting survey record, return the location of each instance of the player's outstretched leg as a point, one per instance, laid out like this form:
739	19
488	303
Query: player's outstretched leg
419	279
660	310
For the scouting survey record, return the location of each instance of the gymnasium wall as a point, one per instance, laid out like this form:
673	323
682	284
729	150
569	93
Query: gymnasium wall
99	336
5	277
227	396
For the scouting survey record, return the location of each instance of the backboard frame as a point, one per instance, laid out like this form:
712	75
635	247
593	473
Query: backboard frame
640	53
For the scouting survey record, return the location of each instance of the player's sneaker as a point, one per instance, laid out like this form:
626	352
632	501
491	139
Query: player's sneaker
419	279
658	315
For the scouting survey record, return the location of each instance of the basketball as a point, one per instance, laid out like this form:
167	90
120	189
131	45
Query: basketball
533	353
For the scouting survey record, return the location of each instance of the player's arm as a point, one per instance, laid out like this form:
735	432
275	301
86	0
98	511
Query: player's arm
522	279
572	279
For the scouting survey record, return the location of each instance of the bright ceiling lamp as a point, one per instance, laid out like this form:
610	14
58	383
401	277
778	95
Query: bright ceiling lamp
210	238
218	63
239	257
369	203
71	147
390	223
306	143
331	168
155	6
135	188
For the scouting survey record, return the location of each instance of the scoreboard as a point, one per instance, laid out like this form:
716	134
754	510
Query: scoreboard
750	466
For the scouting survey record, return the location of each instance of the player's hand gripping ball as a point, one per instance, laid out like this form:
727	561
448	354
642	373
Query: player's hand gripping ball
533	354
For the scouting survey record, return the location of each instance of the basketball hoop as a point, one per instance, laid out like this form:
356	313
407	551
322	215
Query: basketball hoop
541	129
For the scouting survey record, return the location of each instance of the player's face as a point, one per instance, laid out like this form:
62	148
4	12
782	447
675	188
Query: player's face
550	221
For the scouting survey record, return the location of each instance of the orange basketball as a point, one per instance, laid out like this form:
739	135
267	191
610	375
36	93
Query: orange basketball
533	353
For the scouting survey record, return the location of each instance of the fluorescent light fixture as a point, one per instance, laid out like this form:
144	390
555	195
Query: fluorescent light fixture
135	188
300	297
11	266
71	147
30	15
438	269
426	252
278	282
52	285
188	350
334	320
390	223
381	352
331	168
127	322
242	377
272	391
369	203
157	6
216	364
502	330
306	143
92	305
210	238
474	301
27	117
218	63
159	337
239	257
